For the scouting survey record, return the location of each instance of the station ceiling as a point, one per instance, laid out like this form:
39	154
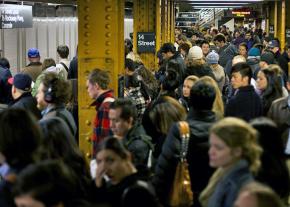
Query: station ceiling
221	3
194	3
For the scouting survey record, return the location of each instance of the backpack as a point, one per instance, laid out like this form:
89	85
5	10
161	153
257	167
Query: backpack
147	140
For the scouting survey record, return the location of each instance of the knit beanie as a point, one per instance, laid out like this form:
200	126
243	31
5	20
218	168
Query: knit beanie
195	53
268	57
212	58
254	52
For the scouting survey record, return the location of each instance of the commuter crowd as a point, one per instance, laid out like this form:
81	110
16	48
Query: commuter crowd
230	87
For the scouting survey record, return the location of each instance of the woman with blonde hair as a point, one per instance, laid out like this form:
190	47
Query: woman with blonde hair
236	155
187	85
218	105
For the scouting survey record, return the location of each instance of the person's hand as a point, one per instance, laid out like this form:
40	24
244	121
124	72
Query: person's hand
100	173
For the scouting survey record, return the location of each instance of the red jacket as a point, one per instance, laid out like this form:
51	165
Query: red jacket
101	121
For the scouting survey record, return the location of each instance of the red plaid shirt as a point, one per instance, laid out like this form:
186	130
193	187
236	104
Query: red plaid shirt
102	121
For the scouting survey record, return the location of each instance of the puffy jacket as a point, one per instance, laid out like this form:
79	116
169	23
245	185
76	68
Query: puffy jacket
197	156
200	71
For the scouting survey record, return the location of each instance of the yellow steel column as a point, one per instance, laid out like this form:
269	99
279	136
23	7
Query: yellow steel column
282	25
101	45
172	21
169	2
275	19
158	29
146	19
267	19
163	21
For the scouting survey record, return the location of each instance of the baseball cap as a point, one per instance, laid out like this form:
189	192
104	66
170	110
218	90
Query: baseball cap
273	43
267	57
21	81
33	53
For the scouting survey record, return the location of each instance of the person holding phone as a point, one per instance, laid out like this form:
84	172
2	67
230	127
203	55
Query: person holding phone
117	181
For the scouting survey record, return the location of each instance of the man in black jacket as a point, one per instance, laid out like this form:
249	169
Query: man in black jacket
246	103
170	55
124	125
200	119
21	93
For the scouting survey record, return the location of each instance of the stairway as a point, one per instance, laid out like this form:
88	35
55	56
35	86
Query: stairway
208	16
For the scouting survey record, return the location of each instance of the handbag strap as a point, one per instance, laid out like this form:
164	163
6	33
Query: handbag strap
184	135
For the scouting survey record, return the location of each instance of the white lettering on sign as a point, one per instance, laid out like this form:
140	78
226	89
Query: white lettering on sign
11	18
140	37
7	26
143	43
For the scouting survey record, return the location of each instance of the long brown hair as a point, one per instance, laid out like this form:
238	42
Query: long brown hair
165	113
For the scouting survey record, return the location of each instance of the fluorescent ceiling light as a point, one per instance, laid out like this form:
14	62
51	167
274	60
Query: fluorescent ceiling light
219	3
213	6
215	1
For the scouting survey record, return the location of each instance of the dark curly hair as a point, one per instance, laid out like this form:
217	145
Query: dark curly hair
61	89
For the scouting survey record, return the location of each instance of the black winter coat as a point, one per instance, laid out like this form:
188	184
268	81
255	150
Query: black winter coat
125	194
200	71
5	87
139	144
197	156
27	102
246	104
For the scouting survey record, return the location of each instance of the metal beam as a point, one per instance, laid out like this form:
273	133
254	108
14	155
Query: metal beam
145	20
101	45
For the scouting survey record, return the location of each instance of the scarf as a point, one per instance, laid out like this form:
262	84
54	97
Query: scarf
209	190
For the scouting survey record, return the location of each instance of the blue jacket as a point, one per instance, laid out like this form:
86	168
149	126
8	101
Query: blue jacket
228	187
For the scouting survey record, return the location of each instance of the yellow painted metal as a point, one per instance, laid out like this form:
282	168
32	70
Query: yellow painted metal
158	29
163	21
267	24
283	24
146	19
101	45
168	20
276	19
172	22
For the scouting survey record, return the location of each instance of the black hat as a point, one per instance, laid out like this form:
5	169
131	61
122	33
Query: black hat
268	57
21	81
